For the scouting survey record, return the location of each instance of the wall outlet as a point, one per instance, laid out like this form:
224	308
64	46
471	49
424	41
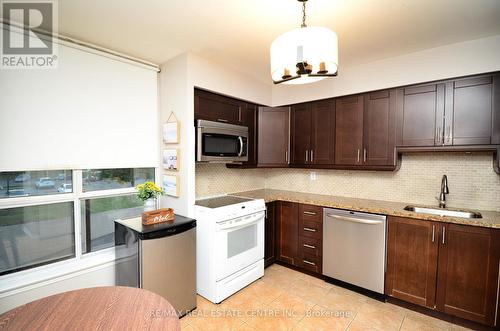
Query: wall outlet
313	175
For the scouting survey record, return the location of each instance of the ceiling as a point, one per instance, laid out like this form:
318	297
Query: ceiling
238	33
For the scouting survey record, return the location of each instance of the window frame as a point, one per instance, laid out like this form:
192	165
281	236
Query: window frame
81	261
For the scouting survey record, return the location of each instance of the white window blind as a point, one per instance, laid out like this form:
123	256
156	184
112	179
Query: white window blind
91	112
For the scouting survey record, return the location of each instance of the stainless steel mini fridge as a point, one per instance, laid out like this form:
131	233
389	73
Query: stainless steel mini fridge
160	258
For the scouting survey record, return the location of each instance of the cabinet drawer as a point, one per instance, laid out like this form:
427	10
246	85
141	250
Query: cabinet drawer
310	262
310	212
310	246
310	229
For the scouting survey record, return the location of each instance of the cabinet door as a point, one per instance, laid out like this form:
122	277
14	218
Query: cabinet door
323	132
349	130
422	115
301	134
468	273
249	119
273	139
270	235
214	107
287	232
469	110
412	251
379	128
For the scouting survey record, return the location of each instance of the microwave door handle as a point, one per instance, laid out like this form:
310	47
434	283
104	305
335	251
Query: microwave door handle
240	140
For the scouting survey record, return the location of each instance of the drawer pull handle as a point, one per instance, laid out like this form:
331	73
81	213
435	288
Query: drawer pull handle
309	262
309	213
309	246
310	230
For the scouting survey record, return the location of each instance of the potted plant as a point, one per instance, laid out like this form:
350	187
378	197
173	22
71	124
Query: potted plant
148	192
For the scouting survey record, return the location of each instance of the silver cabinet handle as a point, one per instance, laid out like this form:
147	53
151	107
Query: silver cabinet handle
309	246
433	232
353	219
358	155
309	262
310	229
286	156
312	154
438	135
444	234
307	153
309	213
222	120
364	155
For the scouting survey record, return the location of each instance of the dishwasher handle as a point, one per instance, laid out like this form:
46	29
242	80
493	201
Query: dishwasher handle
353	219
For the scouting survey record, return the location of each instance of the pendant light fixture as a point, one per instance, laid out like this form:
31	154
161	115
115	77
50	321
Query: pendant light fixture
305	54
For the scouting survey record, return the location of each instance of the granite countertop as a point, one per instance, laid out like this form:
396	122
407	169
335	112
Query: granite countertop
490	219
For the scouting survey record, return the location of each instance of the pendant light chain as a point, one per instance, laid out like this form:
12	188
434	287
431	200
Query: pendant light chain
303	14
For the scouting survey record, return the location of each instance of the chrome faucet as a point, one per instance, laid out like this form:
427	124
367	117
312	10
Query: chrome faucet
444	191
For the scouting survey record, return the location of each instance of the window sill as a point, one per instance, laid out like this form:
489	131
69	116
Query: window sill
44	275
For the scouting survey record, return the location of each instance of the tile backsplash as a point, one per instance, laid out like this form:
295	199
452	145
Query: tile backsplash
215	179
471	180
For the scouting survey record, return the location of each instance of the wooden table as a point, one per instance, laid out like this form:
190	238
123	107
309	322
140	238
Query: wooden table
98	308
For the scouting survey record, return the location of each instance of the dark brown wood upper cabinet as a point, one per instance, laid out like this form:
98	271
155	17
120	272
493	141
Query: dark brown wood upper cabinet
273	136
468	272
470	111
323	132
349	130
313	133
301	127
412	251
421	115
379	129
214	107
287	236
249	119
458	112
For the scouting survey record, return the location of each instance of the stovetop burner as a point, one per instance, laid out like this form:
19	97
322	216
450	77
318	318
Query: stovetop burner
221	201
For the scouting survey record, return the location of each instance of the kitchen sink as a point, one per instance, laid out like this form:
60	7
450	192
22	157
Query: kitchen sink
443	212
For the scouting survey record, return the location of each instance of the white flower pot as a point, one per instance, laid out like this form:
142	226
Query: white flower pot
149	205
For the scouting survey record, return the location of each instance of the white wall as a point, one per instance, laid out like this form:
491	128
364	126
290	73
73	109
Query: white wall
461	59
175	97
178	79
100	276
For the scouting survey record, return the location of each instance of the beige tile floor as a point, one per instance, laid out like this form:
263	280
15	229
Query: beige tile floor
285	299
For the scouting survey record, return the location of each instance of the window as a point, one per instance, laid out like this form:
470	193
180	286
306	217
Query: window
107	179
27	183
40	210
98	216
36	235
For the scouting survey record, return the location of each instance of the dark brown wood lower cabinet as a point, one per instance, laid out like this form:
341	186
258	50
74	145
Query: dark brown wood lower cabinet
287	232
447	267
412	261
270	235
468	273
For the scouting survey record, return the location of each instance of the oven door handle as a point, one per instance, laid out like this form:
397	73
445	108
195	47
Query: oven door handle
246	221
240	140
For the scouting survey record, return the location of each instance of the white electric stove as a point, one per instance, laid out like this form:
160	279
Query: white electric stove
229	245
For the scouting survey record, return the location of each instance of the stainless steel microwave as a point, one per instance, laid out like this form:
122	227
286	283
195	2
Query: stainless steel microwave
221	142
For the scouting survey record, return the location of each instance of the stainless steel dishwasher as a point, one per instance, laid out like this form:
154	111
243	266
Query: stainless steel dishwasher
354	248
